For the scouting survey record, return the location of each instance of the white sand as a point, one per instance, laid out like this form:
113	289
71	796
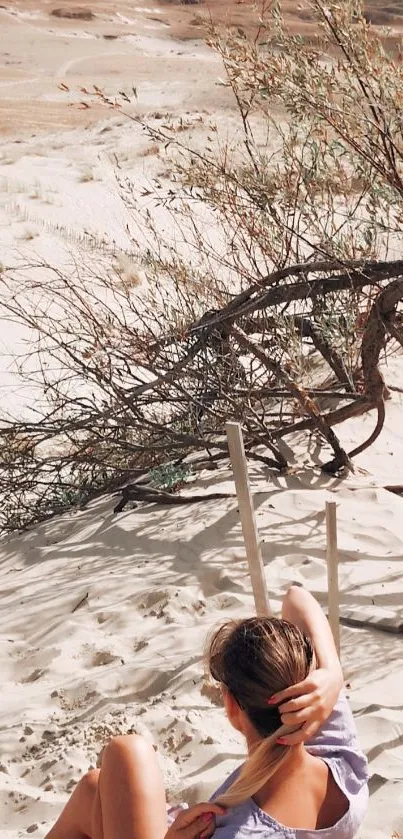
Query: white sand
58	184
157	579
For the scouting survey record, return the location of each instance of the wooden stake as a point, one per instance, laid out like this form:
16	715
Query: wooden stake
332	572
248	518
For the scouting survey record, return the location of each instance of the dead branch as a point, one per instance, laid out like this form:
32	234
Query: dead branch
357	408
383	311
352	276
310	329
307	404
147	495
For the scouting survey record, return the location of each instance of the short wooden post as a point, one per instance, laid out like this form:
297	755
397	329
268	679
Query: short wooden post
332	572
248	518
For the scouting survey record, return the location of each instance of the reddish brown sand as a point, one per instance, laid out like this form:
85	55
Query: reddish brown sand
39	51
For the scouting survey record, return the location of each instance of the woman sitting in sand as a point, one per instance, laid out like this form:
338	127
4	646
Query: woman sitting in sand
304	774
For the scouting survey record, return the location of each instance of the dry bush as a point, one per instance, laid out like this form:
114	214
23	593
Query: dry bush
276	291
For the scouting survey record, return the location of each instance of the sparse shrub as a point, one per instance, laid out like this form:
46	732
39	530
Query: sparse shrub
169	476
275	289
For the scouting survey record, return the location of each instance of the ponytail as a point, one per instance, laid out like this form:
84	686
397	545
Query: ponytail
263	762
255	659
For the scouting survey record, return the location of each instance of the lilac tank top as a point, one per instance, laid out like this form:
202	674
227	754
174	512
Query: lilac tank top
336	743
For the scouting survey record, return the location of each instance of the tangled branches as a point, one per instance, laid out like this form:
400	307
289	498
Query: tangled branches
127	395
276	294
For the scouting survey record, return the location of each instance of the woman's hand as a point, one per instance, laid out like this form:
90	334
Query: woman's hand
308	704
196	823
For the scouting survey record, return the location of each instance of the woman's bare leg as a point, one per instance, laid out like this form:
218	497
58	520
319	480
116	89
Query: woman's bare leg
75	822
125	798
131	791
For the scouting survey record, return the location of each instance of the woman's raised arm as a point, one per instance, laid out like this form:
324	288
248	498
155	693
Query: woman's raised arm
301	609
310	703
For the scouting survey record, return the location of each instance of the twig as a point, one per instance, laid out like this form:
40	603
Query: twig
80	602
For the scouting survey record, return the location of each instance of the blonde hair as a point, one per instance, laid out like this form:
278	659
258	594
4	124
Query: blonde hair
255	659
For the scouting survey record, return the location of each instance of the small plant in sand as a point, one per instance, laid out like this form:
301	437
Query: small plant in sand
273	296
151	150
169	476
86	175
36	193
27	234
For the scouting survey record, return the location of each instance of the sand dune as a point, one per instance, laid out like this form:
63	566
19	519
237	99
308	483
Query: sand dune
103	617
151	583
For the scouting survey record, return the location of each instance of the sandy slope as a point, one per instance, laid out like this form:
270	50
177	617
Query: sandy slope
155	46
157	579
123	45
154	583
58	158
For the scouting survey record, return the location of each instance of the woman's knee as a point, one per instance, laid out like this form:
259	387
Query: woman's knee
125	747
89	783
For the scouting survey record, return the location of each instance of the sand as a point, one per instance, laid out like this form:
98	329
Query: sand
152	582
103	618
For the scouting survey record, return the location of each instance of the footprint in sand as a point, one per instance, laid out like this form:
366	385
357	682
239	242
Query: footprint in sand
33	677
103	657
306	567
153	598
225	601
213	692
97	658
140	644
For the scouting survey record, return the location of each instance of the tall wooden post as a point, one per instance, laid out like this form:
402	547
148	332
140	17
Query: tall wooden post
248	518
332	572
